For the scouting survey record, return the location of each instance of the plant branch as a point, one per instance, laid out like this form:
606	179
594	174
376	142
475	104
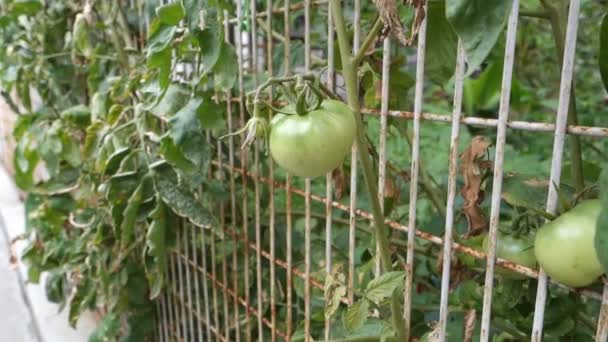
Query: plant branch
534	14
556	17
371	37
350	78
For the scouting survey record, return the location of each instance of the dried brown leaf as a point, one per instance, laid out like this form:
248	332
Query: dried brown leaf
339	180
471	166
389	16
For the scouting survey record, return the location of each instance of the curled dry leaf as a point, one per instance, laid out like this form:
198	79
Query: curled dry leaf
389	16
339	180
335	290
471	166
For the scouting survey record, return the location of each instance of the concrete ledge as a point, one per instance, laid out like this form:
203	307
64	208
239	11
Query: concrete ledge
28	316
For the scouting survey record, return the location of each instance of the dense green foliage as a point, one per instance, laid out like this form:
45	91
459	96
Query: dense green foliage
127	134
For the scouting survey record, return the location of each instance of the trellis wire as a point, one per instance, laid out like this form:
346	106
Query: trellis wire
179	311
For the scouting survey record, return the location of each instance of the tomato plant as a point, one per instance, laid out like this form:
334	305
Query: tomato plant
314	143
565	248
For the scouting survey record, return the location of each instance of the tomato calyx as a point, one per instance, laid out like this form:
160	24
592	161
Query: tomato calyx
304	94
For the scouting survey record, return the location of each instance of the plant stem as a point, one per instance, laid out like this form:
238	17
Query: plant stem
534	14
350	78
556	17
371	37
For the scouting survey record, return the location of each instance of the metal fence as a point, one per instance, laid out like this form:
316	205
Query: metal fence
208	296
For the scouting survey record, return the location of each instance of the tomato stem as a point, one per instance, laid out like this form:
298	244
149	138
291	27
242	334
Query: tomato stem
349	65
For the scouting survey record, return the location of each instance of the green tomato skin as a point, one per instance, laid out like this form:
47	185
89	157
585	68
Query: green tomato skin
564	247
315	143
519	250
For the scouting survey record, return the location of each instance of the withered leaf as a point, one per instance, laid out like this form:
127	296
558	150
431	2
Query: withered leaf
339	180
471	166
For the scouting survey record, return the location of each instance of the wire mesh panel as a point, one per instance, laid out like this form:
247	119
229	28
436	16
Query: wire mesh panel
261	274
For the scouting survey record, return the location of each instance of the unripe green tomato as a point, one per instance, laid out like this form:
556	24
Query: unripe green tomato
565	246
519	250
314	143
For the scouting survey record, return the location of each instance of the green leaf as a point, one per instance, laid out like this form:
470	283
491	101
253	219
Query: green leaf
130	215
441	43
383	287
173	100
80	36
483	93
107	330
356	315
183	203
156	244
603	52
171	13
225	69
160	37
479	24
195	9
79	115
601	233
162	61
211	42
25	7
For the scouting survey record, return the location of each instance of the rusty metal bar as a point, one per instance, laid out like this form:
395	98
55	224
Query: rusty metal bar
411	232
307	223
257	190
216	316
452	180
288	223
209	328
271	224
188	292
197	289
232	187
501	137
558	147
328	178
243	159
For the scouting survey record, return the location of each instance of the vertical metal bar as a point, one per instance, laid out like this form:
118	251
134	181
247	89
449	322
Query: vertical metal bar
307	261
243	160
234	275
558	148
165	311
452	180
222	205
188	290
197	297
258	170
602	321
206	285
386	67
183	320
289	292
216	310
411	227
328	177
352	219
271	209
175	305
501	135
